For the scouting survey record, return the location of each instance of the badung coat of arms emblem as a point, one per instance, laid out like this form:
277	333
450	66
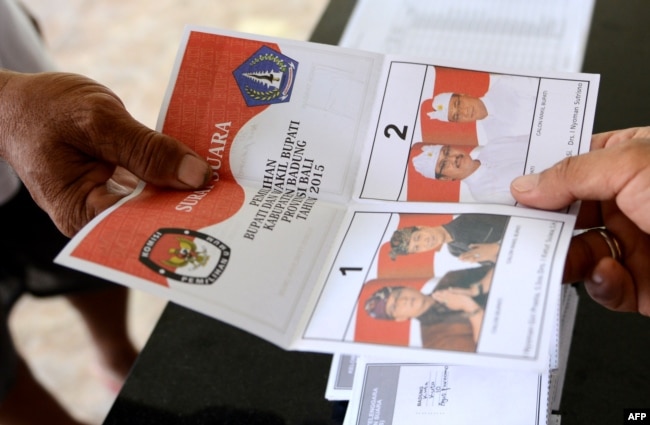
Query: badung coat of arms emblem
266	77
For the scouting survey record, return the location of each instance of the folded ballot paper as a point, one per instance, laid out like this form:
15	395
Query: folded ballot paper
391	392
522	36
359	202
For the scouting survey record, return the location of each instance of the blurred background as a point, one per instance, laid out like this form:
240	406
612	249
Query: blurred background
129	46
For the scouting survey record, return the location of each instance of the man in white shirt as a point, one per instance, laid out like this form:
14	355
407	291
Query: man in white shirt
487	170
505	110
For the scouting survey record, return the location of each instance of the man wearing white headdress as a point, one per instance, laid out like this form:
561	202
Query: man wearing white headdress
487	170
505	110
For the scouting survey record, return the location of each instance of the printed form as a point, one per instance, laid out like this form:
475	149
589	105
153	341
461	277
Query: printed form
521	35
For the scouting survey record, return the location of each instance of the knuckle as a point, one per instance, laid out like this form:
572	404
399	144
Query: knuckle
147	155
564	170
98	114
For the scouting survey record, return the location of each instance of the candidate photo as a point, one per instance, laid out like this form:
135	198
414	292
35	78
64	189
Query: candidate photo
472	237
449	316
484	172
505	109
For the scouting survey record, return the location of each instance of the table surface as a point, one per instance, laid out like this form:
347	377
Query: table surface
195	369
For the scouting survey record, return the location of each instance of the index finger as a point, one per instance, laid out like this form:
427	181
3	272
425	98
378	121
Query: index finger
611	138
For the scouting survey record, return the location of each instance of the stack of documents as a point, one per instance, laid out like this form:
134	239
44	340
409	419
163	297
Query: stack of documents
522	35
518	34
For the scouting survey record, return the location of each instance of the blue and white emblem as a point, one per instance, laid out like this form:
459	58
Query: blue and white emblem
266	77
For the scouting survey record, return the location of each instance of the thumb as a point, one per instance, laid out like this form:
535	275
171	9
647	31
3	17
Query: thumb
164	161
155	157
574	178
618	172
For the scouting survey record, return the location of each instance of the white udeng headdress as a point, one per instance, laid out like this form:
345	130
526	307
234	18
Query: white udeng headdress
440	106
425	163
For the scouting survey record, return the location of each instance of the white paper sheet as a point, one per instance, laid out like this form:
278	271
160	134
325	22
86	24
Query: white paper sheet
518	34
423	394
291	240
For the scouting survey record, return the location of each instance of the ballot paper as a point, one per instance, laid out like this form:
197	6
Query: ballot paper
441	394
523	35
326	218
390	392
529	35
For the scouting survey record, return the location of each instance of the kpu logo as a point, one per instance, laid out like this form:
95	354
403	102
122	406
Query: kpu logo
266	77
185	255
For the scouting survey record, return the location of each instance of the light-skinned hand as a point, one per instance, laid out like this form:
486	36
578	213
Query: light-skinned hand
613	183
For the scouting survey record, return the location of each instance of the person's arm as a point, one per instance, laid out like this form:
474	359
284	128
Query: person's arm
486	282
613	183
462	302
67	138
481	252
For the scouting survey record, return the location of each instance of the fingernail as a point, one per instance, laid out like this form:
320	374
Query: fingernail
525	183
597	278
193	172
